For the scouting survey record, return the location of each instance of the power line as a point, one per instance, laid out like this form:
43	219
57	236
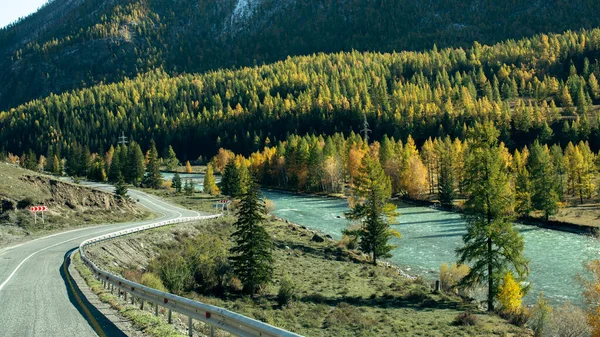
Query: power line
123	139
366	130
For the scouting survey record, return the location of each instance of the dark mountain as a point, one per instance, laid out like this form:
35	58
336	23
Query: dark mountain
71	44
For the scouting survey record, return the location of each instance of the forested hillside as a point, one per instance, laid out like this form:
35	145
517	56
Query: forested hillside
71	44
542	87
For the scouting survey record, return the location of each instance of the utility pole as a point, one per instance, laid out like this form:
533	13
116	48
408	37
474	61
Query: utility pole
366	129
123	139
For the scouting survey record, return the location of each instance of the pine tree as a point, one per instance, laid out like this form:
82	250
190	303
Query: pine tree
56	169
171	161
544	196
210	185
50	160
522	183
136	164
230	182
188	187
153	178
491	244
115	166
446	188
251	257
120	187
177	182
372	189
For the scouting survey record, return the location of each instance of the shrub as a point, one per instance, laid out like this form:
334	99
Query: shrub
269	205
417	294
466	318
166	184
152	281
450	276
173	271
540	317
25	203
569	321
132	275
207	257
235	285
287	292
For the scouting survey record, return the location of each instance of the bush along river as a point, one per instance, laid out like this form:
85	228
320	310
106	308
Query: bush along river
430	237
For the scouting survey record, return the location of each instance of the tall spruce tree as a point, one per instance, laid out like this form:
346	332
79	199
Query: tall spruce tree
491	246
210	185
544	185
135	174
251	257
115	165
153	178
231	180
372	189
177	182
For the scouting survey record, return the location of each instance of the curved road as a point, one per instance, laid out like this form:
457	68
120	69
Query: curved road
37	296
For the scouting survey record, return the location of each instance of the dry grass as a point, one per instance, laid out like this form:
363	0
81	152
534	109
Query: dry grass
336	292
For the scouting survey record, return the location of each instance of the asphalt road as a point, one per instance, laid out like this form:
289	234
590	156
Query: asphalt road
38	298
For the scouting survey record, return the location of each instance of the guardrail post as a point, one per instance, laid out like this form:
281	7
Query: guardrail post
141	303
132	299
170	319
112	288
190	326
156	309
212	331
125	295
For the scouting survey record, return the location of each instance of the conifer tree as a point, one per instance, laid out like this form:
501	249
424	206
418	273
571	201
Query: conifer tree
56	169
188	167
251	256
372	189
522	183
171	161
136	164
210	185
177	182
544	196
120	187
230	182
188	187
491	245
50	160
153	178
115	166
446	188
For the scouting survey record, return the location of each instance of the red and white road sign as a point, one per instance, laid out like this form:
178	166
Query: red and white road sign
225	201
38	208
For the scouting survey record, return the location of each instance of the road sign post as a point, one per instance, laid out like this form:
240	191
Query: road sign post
35	210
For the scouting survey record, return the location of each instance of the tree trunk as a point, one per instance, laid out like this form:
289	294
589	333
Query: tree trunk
490	278
374	259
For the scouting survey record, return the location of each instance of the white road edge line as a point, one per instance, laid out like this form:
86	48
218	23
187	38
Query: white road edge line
43	249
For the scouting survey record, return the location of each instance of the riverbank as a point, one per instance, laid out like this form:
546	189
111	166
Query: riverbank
337	292
552	224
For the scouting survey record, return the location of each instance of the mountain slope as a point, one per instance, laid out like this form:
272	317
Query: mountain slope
77	43
546	87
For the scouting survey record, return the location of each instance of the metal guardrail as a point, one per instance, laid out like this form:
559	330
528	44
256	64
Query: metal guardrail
217	318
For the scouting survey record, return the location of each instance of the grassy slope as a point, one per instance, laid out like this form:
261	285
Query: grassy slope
69	205
338	293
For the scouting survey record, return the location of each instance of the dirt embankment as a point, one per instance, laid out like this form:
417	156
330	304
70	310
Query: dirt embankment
69	205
